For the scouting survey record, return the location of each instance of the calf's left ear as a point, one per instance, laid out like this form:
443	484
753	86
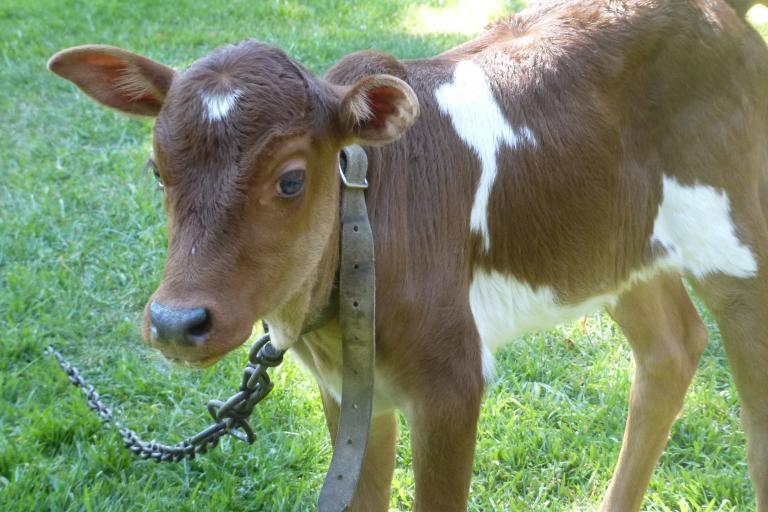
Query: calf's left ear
377	110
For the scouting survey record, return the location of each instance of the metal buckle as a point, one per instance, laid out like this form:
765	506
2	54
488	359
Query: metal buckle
345	158
357	185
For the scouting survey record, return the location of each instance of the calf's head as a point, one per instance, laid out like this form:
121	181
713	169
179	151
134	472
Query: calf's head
246	146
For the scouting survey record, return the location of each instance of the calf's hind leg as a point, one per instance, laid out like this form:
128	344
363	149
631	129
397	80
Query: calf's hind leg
740	307
667	338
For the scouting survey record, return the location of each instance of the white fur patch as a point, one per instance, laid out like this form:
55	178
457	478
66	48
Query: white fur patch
488	362
479	121
505	308
695	227
328	370
693	224
217	106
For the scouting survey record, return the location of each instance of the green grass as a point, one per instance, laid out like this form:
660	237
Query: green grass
82	246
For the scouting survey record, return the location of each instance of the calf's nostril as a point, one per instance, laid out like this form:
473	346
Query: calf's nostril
180	326
200	323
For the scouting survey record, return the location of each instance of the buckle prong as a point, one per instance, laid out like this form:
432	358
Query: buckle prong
357	185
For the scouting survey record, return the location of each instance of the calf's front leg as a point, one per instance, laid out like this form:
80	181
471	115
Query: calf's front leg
443	425
373	490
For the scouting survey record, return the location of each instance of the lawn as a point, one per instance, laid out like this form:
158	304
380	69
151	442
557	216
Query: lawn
82	242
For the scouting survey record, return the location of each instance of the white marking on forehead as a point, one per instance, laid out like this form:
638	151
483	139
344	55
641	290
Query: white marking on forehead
695	227
477	118
218	105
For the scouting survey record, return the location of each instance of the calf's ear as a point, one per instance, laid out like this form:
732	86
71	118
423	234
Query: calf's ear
377	110
116	78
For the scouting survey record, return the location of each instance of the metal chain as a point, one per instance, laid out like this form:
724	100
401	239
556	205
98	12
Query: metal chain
230	417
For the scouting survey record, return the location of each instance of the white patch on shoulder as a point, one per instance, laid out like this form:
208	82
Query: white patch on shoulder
505	308
217	106
695	227
479	121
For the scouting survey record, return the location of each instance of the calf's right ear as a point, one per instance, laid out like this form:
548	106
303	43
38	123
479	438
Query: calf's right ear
116	78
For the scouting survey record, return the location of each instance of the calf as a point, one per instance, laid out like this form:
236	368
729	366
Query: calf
577	156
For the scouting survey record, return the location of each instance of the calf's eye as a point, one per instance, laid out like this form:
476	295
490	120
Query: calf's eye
151	165
291	183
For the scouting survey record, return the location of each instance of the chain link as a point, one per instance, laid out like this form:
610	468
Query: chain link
230	416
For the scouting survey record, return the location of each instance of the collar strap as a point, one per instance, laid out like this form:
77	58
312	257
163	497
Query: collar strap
357	293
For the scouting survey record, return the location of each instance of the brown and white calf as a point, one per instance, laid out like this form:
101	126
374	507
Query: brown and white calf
578	156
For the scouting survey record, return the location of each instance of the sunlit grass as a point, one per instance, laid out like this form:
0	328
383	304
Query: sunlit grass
463	17
758	15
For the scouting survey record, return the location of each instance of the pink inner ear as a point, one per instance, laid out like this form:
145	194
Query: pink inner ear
383	103
106	61
112	69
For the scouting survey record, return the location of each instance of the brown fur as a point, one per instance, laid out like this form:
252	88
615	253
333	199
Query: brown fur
618	93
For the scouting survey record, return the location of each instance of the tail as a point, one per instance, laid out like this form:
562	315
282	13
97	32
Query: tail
742	6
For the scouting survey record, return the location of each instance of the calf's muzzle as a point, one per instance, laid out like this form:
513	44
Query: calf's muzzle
183	327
